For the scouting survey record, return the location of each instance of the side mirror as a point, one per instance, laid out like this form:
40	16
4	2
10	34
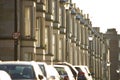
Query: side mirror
40	77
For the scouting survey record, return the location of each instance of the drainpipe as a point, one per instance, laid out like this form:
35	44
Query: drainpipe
16	33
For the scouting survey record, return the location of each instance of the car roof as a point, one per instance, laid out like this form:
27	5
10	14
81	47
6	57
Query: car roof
79	65
17	62
69	65
41	62
60	65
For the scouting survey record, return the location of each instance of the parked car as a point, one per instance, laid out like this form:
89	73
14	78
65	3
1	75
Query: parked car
64	72
54	75
48	71
74	71
43	67
22	70
4	75
84	70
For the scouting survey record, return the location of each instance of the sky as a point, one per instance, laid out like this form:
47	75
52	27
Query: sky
102	13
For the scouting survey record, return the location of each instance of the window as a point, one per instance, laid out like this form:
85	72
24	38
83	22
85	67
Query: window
70	27
54	9
108	41
75	29
42	67
60	16
119	57
54	45
27	56
19	71
73	26
119	43
29	11
27	21
47	5
38	25
46	39
38	1
60	49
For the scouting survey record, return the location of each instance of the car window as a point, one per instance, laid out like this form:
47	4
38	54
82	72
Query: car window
61	70
42	67
71	68
78	69
19	71
86	70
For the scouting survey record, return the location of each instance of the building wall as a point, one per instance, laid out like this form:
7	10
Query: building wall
7	29
11	23
113	41
50	32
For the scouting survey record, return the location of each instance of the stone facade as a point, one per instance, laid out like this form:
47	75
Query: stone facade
50	31
113	40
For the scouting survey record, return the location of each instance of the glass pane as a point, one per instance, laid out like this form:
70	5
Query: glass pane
27	21
38	32
46	39
60	49
19	71
54	45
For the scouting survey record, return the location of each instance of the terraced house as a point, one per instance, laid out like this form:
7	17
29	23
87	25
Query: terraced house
51	31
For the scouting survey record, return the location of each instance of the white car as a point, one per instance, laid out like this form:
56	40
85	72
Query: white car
48	71
4	75
54	75
43	67
85	70
22	70
65	72
72	68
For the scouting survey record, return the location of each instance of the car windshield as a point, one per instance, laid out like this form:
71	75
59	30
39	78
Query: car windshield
19	71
